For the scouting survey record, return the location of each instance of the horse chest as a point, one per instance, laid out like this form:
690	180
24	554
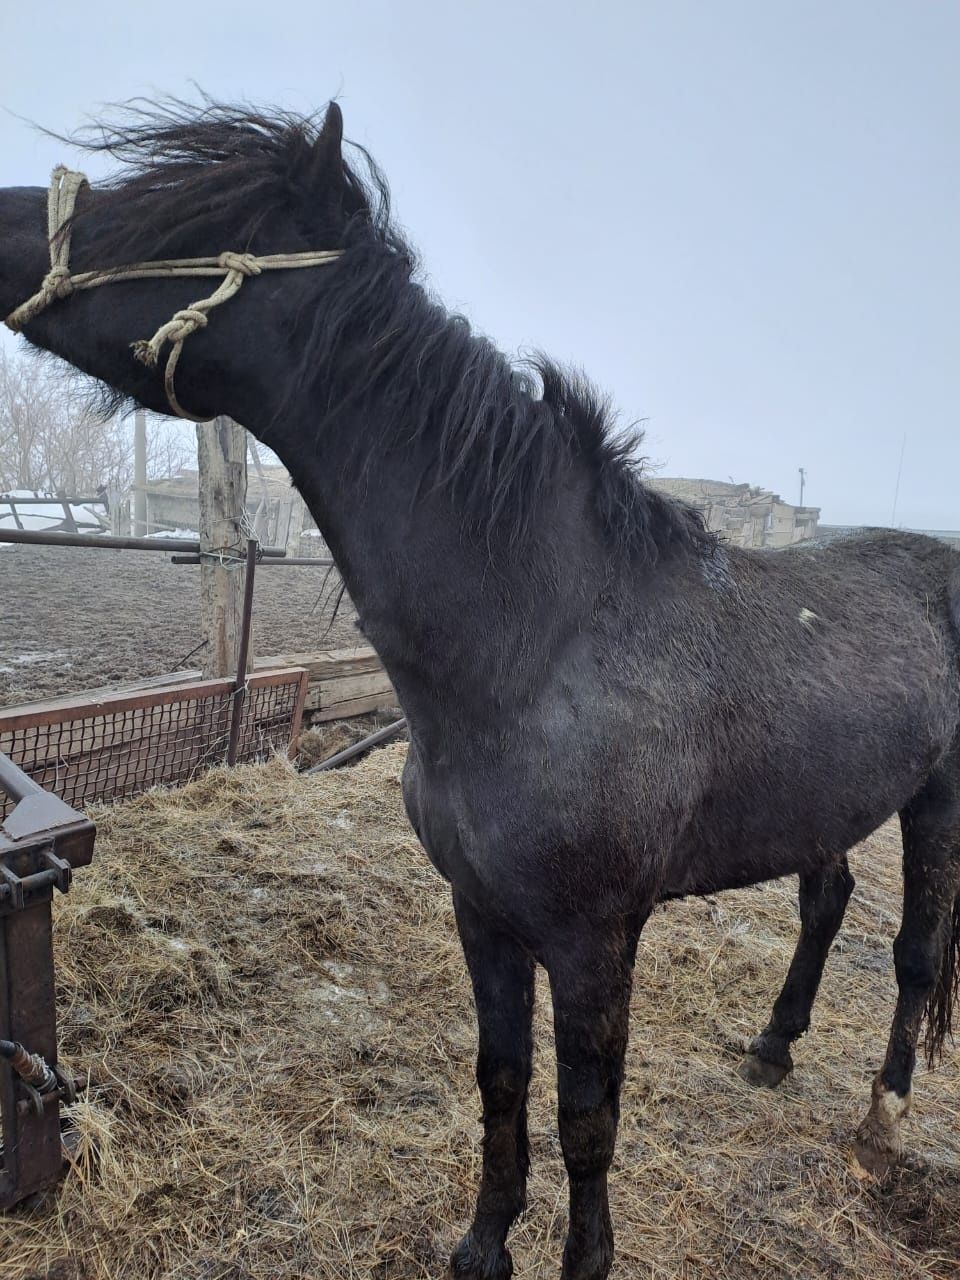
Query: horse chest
524	855
434	804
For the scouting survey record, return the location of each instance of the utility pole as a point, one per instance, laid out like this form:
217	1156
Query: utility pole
803	481
140	474
896	491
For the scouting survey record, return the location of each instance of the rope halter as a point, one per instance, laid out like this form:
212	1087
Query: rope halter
234	268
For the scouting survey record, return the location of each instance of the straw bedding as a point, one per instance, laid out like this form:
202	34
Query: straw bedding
262	974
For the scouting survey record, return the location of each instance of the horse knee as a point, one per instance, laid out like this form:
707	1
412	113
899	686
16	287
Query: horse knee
502	1082
823	900
587	1139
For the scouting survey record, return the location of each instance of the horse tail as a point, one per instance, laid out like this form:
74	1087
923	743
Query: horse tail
942	1000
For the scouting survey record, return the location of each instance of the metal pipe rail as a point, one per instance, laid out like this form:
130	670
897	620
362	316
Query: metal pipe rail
42	538
291	562
8	500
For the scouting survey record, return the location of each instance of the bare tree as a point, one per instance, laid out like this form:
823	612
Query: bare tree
25	411
53	441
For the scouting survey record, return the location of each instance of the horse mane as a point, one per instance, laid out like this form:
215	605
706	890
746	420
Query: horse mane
505	435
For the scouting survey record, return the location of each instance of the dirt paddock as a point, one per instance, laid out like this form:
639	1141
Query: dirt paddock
75	618
262	974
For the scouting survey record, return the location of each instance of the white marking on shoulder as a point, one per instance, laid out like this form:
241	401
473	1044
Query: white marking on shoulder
806	618
716	571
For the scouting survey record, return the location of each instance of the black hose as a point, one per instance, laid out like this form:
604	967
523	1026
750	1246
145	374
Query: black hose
358	748
30	1067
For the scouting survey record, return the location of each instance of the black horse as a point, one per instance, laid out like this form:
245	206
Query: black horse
606	707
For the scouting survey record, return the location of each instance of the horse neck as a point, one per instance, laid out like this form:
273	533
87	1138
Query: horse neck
462	619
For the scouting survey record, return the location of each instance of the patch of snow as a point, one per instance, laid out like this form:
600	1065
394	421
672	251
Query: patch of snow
37	659
43	515
186	534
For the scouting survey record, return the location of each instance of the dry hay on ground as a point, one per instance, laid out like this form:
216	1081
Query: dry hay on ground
262	972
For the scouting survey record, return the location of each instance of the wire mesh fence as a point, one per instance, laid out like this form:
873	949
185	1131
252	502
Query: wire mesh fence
120	745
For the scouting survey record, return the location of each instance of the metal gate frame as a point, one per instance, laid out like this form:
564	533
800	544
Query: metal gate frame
42	841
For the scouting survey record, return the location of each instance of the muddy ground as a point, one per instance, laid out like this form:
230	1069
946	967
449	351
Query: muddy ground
74	619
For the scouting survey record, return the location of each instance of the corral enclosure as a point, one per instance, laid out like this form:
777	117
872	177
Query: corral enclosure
262	974
76	618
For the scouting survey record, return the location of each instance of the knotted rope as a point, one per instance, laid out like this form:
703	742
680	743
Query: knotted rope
233	267
61	198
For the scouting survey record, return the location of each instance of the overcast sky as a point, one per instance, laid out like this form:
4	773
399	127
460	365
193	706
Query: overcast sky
740	217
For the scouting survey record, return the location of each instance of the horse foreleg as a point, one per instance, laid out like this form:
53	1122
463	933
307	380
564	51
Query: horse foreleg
824	895
503	979
590	976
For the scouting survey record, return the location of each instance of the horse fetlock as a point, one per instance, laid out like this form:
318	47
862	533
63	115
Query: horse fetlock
593	1263
767	1062
472	1260
877	1147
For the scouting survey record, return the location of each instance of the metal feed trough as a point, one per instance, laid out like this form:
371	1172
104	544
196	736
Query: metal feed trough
42	841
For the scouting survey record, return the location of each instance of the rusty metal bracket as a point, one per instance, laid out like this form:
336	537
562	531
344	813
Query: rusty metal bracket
42	841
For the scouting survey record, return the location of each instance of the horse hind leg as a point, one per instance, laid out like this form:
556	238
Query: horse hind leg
824	895
925	957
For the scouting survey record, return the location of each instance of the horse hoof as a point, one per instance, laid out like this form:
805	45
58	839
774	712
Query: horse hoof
873	1159
876	1148
468	1262
762	1074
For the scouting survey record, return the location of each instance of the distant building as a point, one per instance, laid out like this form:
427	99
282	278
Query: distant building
273	506
741	513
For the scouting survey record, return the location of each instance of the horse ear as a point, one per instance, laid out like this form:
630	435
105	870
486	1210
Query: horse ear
327	149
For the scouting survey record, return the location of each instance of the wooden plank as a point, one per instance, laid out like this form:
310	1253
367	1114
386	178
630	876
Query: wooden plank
326	696
327	664
68	701
83	706
354	707
342	682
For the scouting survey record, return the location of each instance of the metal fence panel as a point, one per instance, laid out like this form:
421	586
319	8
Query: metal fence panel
88	751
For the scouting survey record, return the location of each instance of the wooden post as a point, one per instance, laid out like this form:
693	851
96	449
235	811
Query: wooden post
222	463
140	474
294	525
